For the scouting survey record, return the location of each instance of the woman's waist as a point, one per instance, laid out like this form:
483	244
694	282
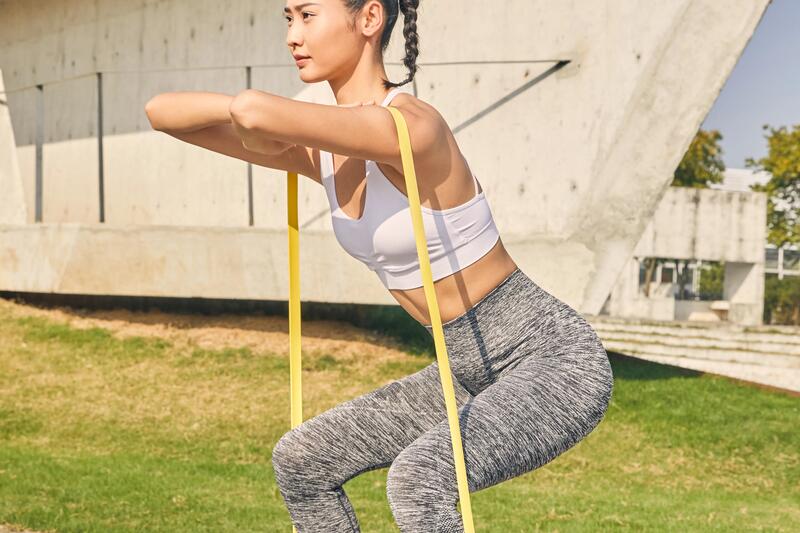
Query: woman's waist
461	291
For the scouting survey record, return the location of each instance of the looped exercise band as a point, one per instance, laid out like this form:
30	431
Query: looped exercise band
433	308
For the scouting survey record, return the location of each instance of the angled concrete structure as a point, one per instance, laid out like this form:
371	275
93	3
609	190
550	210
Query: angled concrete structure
573	116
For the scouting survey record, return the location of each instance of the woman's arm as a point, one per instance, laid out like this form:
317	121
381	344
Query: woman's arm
186	112
245	118
365	132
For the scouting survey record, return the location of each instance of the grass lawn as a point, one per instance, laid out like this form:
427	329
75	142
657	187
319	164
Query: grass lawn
148	424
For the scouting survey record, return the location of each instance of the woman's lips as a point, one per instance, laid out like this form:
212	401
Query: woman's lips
302	61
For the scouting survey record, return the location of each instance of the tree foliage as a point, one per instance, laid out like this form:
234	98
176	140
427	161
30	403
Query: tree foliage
702	163
782	300
783	188
712	280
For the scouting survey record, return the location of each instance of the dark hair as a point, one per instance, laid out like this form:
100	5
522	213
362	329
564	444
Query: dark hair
392	7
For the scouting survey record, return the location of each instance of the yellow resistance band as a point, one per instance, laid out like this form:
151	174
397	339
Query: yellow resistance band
433	309
295	365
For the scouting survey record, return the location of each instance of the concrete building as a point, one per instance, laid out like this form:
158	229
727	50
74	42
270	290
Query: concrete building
725	223
573	115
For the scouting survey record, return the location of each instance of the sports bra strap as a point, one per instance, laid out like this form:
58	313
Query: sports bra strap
390	96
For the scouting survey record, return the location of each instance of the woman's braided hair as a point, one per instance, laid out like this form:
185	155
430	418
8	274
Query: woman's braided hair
393	7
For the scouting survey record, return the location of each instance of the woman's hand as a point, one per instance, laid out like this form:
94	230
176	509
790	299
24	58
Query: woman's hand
255	142
241	112
358	104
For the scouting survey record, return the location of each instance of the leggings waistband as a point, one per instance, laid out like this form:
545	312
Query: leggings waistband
485	301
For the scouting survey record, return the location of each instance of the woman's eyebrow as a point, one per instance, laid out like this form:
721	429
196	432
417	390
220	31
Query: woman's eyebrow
301	6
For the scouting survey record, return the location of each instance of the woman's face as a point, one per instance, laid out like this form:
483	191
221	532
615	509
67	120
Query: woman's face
321	31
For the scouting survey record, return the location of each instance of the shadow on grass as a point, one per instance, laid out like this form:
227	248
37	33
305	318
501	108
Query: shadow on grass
634	369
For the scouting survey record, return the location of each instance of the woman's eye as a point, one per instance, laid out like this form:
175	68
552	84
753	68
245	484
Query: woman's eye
289	19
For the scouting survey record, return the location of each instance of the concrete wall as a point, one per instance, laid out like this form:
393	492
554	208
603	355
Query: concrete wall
707	224
574	162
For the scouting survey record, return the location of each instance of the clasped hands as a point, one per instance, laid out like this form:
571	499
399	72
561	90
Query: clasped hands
255	142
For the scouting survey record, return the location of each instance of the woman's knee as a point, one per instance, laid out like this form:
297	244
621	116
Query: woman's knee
294	459
412	479
287	457
419	497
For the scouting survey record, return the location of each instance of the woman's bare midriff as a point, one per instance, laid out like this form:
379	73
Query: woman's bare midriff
459	292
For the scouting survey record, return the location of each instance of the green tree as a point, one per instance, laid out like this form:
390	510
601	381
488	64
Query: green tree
783	188
782	300
702	163
712	280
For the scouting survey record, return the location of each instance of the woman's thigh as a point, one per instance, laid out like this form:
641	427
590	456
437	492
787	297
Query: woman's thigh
361	434
537	411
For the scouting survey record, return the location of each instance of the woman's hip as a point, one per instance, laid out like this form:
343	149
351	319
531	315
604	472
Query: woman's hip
517	320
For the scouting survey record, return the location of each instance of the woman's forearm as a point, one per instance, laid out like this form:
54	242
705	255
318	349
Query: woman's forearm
184	112
188	111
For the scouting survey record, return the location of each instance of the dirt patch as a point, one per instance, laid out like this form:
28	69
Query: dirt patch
14	529
260	333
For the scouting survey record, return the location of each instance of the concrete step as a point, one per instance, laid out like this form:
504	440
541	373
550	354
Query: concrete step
785	378
676	348
711	327
764	348
762	342
761	354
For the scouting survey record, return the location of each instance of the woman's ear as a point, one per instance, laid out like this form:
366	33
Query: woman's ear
371	18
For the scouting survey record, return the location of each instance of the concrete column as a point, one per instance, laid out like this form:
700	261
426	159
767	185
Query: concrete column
744	289
12	197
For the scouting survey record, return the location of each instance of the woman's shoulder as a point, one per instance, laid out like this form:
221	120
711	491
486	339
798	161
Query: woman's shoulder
436	156
418	107
420	115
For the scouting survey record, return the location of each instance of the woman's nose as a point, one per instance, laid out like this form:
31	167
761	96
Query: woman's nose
293	37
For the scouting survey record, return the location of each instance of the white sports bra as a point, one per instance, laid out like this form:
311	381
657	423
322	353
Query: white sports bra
383	238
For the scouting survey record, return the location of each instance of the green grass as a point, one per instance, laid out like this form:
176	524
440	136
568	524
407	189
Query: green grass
99	433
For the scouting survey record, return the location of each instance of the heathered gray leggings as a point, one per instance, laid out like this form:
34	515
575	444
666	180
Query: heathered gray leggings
531	379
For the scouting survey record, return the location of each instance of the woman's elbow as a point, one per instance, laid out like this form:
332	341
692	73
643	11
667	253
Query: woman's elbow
243	106
238	110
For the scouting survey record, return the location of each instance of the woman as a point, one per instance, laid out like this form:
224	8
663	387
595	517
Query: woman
531	376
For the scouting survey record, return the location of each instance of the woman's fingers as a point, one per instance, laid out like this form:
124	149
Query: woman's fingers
357	104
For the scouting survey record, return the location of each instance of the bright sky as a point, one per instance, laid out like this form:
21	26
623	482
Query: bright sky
764	87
